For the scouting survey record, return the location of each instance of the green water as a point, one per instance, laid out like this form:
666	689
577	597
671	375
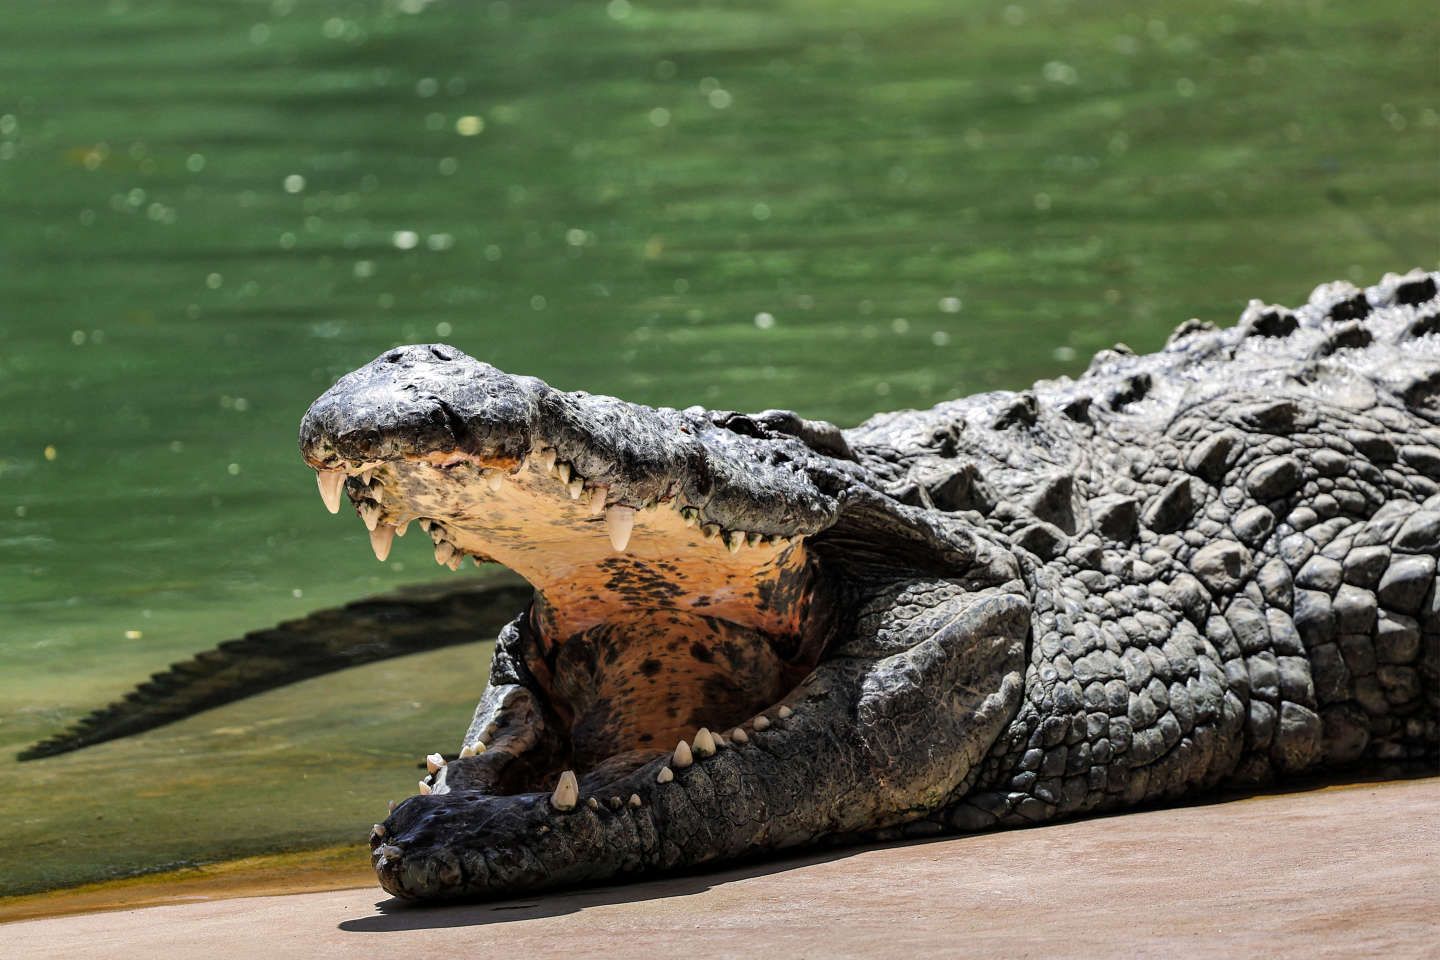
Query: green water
209	211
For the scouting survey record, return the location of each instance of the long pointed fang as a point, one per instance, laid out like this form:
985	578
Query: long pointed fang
598	493
619	521
567	792
380	540
577	487
330	483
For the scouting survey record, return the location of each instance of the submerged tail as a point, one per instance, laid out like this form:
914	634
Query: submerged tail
409	620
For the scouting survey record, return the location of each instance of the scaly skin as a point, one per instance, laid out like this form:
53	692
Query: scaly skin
1211	565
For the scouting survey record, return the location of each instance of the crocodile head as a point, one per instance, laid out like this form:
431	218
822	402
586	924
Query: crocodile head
709	664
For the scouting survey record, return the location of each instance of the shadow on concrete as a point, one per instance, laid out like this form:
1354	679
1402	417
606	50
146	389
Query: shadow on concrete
396	915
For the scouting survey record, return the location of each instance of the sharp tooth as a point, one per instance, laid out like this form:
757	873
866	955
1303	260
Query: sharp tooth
562	470
592	803
785	713
546	460
739	736
567	791
456	560
424	789
443	552
755	539
400	528
434	762
710	530
762	722
390	805
377	831
365	476
634	799
380	540
735	540
370	514
388	850
704	743
682	757
620	521
577	487
598	493
615	803
330	483
377	493
692	516
494	479
425	523
665	775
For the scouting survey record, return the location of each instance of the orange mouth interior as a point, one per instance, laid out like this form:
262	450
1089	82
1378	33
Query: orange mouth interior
649	622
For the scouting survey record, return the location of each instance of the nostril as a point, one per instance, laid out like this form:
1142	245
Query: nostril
443	353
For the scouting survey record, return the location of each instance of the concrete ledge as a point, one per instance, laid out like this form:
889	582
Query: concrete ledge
1340	872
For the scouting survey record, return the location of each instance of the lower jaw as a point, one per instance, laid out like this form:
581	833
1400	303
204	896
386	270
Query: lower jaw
609	818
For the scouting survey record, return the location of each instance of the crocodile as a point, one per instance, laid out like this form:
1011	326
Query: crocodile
1208	566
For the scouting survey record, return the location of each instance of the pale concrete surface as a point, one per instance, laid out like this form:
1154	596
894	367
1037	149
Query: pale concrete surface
1343	872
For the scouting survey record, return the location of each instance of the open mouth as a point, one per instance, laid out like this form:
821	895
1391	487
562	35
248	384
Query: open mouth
655	631
677	604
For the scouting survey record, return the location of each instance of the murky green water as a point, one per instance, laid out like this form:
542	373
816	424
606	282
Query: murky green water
208	211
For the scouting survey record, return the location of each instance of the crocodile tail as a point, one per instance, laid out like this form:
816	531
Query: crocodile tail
409	620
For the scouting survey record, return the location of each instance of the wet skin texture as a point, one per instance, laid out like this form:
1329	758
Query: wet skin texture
1208	566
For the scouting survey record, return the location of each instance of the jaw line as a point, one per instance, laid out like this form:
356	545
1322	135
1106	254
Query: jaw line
584	549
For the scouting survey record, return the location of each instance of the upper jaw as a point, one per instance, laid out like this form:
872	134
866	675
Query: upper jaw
434	403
